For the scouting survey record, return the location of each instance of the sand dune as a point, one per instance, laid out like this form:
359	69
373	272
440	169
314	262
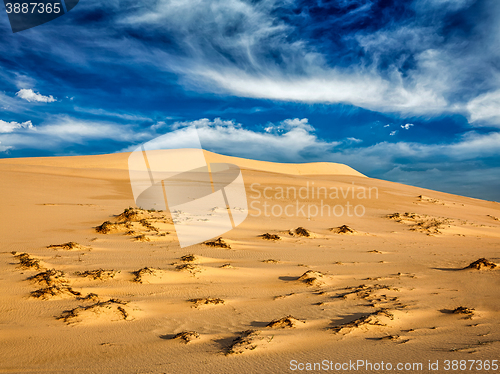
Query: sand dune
92	283
118	161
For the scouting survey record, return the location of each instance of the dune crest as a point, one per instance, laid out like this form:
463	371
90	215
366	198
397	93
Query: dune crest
90	275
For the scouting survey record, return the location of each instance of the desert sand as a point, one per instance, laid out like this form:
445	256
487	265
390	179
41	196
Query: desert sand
91	284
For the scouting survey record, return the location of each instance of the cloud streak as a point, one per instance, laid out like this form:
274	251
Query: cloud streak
60	133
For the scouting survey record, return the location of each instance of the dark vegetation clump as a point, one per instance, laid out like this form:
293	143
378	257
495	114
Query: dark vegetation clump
285	322
142	238
344	229
248	340
27	262
187	336
100	274
480	264
105	228
463	310
54	290
149	226
67	246
49	277
268	236
130	214
188	258
141	272
372	319
206	301
73	315
312	278
218	243
300	231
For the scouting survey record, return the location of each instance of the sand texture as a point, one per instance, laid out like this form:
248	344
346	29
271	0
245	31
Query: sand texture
90	283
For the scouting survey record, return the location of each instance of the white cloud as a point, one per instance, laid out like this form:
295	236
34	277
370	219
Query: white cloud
474	145
468	147
291	139
232	110
407	126
30	95
6	127
4	148
236	58
106	113
57	133
241	48
158	125
9	104
289	124
446	5
76	130
297	142
456	181
354	140
392	133
485	108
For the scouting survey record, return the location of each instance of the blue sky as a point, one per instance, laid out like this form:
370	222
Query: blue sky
407	91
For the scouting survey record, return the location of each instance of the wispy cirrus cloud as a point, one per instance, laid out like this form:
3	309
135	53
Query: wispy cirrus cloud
63	128
418	58
106	113
418	66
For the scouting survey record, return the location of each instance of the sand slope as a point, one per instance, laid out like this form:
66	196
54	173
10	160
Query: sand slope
118	161
131	301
